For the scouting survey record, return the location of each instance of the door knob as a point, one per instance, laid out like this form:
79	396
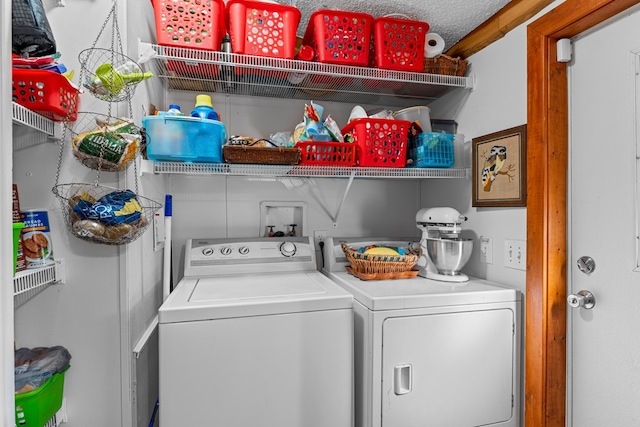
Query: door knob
582	299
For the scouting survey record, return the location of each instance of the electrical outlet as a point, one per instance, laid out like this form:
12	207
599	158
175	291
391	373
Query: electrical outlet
486	250
319	236
515	254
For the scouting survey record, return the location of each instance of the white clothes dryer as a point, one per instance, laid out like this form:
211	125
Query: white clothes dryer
254	335
431	353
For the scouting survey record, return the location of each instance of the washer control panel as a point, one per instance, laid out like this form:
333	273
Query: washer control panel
269	254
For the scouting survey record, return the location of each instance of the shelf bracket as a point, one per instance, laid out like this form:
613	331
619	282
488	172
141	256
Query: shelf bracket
145	167
344	196
59	271
313	190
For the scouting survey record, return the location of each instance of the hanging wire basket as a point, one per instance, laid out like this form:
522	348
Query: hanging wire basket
105	215
104	143
110	75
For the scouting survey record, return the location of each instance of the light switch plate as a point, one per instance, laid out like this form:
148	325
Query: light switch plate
515	254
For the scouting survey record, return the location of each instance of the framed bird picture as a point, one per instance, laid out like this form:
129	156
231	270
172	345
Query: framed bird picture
499	168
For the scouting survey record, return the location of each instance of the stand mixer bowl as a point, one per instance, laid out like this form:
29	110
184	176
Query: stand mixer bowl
449	255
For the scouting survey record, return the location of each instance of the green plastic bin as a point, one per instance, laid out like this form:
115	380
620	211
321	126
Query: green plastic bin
17	228
37	407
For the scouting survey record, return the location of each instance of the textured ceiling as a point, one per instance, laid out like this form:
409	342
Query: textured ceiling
452	19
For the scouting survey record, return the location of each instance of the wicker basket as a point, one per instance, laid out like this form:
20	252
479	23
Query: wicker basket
443	64
376	267
261	155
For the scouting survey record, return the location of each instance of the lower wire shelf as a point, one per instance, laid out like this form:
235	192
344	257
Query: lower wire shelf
274	171
29	283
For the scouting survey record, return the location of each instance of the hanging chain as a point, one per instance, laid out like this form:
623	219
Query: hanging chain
62	141
129	89
104	25
116	48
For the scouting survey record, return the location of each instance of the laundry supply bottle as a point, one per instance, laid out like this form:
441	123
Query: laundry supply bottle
204	108
174	110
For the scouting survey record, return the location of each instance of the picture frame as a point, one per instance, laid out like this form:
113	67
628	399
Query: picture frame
499	168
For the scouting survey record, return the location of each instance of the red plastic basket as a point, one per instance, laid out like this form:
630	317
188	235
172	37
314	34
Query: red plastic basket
381	142
327	153
262	28
46	92
195	24
339	37
399	44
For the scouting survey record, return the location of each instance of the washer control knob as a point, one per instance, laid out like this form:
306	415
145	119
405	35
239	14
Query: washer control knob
207	251
288	249
243	250
226	250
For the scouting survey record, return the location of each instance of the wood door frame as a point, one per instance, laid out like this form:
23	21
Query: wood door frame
547	161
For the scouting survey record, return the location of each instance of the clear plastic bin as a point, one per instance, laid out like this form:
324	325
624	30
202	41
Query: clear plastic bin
184	139
432	150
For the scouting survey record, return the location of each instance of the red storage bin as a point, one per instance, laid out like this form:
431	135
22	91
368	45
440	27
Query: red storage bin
46	92
399	44
327	153
381	142
262	28
339	37
190	24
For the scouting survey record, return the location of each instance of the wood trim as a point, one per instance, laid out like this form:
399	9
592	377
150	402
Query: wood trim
547	157
515	13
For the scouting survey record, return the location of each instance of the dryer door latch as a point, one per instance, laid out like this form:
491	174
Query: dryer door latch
402	379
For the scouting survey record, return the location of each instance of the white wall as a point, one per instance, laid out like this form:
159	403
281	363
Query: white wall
83	314
498	101
110	294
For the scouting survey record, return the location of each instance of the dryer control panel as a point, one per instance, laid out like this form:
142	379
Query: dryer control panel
206	257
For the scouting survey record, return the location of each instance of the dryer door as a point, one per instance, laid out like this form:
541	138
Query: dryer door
451	369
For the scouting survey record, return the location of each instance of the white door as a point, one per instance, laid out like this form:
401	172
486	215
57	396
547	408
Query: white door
603	346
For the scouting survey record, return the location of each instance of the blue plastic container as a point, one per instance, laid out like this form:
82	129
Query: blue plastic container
184	139
431	150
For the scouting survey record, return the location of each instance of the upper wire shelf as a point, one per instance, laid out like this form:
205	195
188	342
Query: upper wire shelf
239	74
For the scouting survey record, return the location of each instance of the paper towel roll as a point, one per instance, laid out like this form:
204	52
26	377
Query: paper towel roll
434	45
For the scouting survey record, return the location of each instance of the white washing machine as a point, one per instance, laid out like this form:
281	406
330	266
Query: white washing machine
254	335
431	353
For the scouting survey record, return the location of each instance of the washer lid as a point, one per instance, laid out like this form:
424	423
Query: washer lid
419	292
252	295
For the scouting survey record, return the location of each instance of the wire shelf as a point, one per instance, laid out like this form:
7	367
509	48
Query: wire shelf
212	71
29	283
304	171
26	117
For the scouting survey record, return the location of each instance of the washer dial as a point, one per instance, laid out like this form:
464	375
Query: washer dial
288	249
